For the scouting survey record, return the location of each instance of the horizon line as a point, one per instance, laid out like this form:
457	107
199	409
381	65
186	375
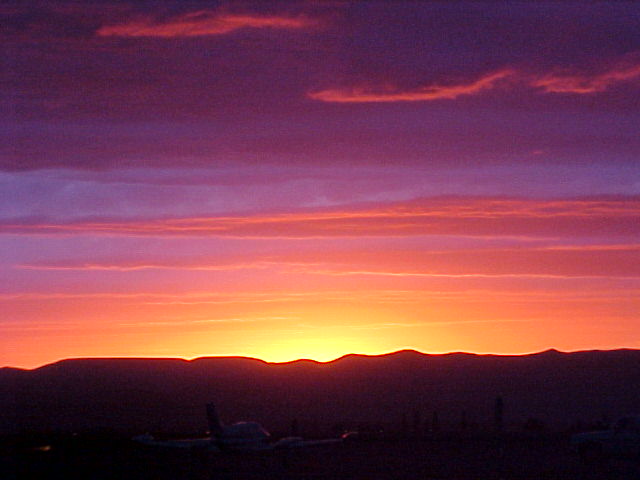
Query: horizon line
322	362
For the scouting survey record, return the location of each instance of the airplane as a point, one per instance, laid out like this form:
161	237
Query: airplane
245	436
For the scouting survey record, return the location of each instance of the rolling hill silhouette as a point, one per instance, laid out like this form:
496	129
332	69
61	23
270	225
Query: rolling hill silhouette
168	395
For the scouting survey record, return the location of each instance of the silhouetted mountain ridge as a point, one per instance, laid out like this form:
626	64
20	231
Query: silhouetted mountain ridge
168	394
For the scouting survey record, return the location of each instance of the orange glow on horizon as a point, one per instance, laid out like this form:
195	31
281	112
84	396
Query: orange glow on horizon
322	329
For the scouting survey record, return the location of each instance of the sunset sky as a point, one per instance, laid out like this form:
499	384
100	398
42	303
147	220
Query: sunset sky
308	179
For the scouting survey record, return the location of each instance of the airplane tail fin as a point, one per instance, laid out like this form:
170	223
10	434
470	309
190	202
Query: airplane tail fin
215	426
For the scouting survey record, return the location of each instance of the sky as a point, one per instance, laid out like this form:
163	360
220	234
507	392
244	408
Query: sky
309	179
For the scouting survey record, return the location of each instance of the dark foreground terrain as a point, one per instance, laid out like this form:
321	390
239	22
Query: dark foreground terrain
558	390
435	458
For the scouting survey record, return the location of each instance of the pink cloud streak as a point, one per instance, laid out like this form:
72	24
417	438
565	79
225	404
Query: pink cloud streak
200	23
134	266
479	217
555	261
578	84
584	84
426	93
382	295
386	273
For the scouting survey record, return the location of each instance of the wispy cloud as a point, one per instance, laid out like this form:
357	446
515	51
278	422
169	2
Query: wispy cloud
375	296
522	261
425	93
584	84
145	324
201	23
471	217
383	273
134	266
206	321
549	83
393	325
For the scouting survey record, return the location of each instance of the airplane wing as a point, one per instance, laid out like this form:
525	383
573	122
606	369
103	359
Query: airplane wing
298	442
195	443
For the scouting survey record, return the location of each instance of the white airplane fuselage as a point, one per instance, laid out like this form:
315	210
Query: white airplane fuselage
241	435
238	436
